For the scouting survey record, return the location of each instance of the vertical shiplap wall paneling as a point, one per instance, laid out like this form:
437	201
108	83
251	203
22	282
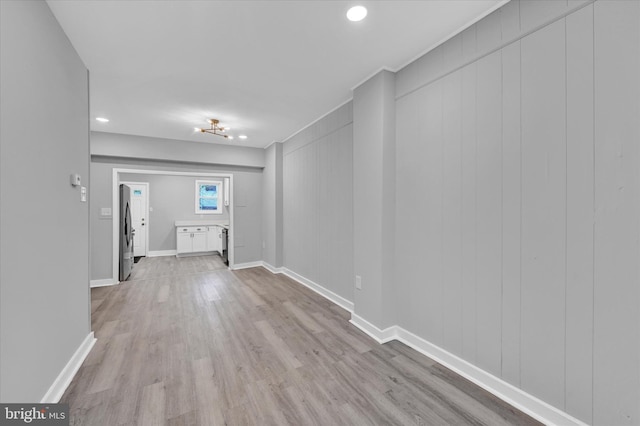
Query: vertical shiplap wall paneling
616	345
322	236
580	168
311	206
433	215
410	201
317	202
452	204
340	214
489	212
468	218
511	213
544	213
544	192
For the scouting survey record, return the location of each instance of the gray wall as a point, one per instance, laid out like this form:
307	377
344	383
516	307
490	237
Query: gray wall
518	202
247	195
374	198
171	198
272	206
147	148
317	204
44	288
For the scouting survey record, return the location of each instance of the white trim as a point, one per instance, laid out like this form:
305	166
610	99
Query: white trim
453	34
246	265
326	293
512	395
102	283
219	196
380	336
272	268
316	120
61	383
161	253
115	206
368	77
267	147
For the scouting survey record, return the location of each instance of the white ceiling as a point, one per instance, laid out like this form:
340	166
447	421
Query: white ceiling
264	68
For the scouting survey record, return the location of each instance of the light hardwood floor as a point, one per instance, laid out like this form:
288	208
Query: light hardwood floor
188	342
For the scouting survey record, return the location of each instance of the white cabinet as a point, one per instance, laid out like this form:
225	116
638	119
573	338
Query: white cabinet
199	241
184	244
213	239
191	239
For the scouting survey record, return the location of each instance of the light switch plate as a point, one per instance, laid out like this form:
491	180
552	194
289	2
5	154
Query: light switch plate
105	211
358	282
83	194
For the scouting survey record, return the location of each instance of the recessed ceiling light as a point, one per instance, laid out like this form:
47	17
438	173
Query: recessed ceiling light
357	13
242	136
229	137
102	120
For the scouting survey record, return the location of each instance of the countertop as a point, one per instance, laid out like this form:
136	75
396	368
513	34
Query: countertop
201	223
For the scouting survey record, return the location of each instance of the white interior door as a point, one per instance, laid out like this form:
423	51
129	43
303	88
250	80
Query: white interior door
139	216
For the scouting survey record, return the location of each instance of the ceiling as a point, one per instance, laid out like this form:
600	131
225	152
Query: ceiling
264	68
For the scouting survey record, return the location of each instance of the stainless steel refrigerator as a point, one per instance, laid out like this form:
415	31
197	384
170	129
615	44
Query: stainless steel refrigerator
126	233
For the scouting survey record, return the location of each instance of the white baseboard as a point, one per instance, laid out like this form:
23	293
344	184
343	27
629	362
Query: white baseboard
272	269
102	283
246	265
514	396
380	336
161	253
63	380
326	293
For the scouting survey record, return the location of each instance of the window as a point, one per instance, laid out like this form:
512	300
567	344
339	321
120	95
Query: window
208	197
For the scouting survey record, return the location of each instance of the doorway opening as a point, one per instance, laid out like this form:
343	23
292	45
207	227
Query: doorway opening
145	208
139	199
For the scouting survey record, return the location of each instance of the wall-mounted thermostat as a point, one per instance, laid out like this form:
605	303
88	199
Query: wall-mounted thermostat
75	179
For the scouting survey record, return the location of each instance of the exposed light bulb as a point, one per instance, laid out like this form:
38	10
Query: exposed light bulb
242	136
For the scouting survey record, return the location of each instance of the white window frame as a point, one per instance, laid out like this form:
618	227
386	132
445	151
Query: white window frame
220	204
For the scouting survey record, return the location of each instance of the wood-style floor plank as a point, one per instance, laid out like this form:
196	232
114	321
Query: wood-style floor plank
188	342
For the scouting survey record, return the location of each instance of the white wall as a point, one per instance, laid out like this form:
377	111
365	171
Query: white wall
317	202
44	137
518	202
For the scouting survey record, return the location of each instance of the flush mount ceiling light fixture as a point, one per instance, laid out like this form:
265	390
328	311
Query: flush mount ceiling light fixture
357	13
215	129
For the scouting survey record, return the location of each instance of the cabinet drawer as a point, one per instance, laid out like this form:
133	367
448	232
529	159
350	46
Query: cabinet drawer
191	229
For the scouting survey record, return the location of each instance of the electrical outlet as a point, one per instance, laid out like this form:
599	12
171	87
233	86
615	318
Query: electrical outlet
358	282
